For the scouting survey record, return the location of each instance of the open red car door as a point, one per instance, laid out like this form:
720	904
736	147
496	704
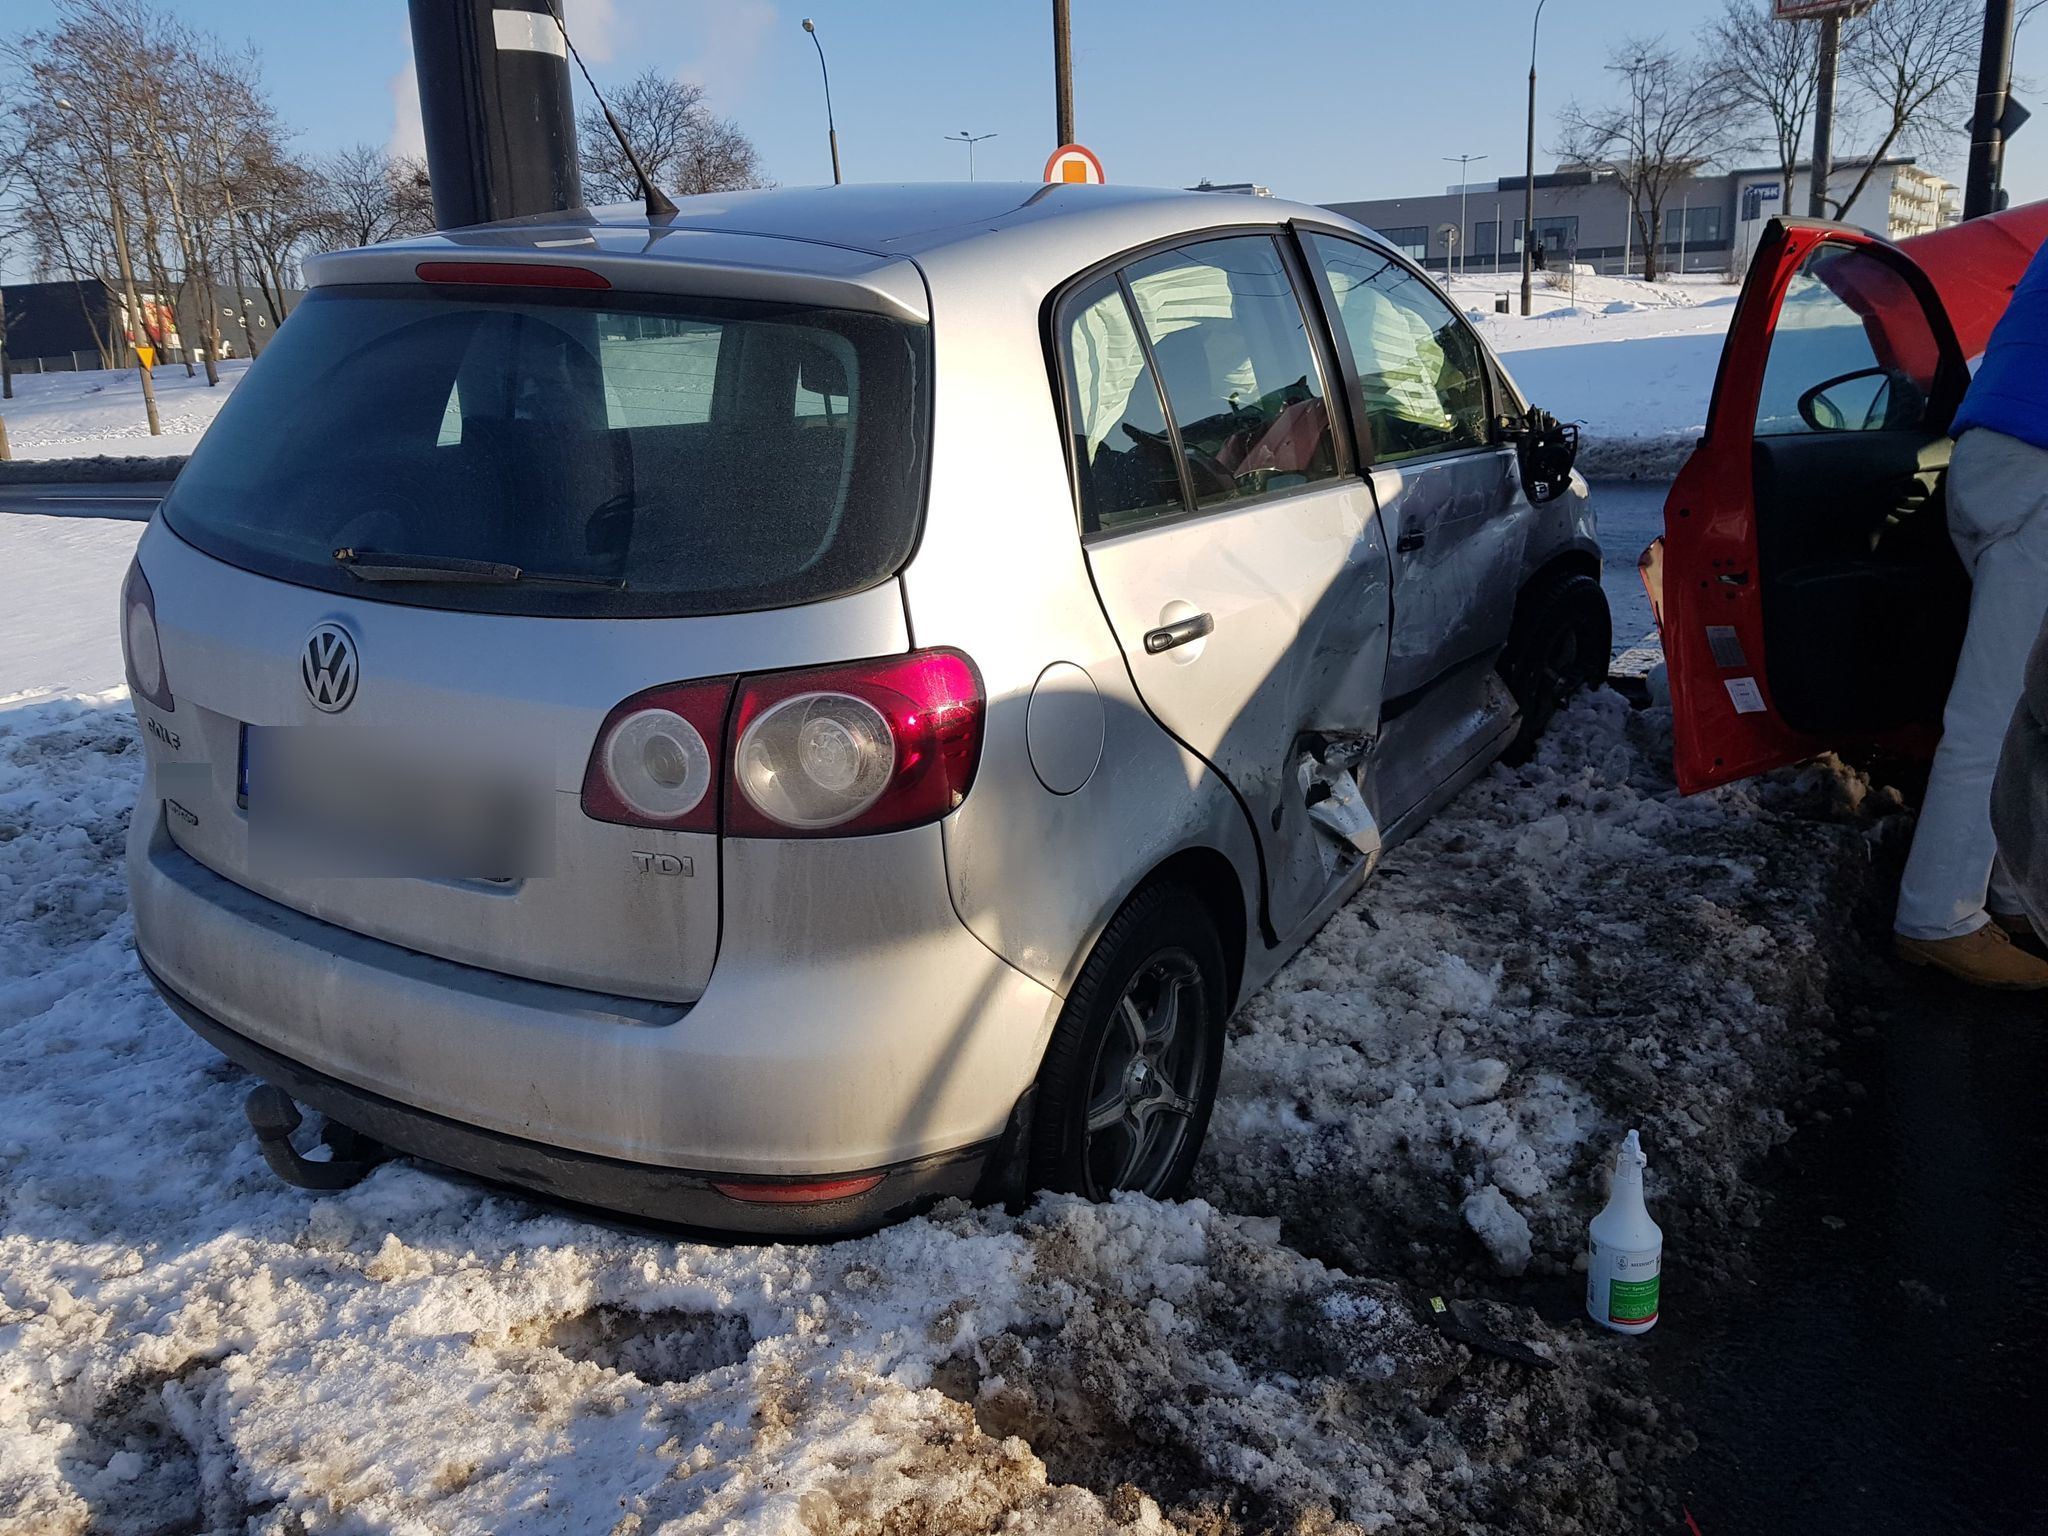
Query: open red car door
1810	597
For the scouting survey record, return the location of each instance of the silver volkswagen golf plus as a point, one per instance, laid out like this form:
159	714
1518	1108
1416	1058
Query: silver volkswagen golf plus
765	718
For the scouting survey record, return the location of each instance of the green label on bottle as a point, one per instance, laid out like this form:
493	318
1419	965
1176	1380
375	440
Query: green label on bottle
1632	1301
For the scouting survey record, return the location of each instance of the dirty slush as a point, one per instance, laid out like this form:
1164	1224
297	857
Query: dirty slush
1425	1102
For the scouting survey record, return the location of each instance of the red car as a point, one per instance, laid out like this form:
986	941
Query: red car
1805	587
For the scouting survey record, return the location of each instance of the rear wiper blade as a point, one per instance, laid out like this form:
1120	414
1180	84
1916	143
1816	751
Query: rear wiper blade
376	565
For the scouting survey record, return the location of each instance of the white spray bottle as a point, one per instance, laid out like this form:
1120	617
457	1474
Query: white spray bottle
1625	1250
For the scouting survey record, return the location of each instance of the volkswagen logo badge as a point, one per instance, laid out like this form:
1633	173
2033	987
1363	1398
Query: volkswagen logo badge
327	666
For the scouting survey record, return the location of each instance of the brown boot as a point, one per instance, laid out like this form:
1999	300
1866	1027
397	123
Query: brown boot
1986	958
2020	929
2016	924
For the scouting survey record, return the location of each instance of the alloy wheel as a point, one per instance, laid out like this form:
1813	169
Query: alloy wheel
1144	1091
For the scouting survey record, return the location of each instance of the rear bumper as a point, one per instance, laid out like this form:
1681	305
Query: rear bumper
837	1036
678	1196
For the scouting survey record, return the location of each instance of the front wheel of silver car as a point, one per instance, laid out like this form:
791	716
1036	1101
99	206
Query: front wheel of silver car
1562	638
1130	1075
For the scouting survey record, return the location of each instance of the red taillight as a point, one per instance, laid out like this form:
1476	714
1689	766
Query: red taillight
510	274
844	751
658	761
141	648
873	746
814	1193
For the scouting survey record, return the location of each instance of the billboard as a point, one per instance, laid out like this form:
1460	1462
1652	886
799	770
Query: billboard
1812	10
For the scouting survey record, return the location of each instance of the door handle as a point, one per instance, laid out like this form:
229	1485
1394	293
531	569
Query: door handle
1167	636
1411	541
1734	578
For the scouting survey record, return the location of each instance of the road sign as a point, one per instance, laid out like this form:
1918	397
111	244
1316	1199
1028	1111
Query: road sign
1813	10
1072	162
146	356
1755	195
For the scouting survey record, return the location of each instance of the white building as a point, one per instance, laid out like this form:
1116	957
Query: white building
1899	200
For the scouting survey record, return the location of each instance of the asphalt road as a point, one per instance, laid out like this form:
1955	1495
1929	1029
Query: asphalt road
133	502
1630	514
1883	1370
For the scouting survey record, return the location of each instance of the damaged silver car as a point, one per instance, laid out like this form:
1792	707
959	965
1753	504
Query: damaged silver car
767	717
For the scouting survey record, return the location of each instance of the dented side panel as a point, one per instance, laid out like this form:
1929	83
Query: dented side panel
1297	588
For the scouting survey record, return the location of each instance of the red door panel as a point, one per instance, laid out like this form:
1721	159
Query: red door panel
1709	591
1975	266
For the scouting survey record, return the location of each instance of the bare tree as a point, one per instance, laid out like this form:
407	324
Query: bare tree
1673	118
1769	72
281	210
371	196
412	195
1911	66
77	103
11	185
685	149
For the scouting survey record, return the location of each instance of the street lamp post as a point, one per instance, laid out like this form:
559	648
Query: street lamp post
970	140
831	128
1529	168
1464	229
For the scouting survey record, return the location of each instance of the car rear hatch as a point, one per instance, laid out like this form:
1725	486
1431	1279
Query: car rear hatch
454	517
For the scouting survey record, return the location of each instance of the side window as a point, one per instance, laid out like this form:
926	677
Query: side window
1123	455
1852	350
1420	369
1239	374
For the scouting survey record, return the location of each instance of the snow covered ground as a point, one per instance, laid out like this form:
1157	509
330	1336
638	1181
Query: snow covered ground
67	572
81	415
1633	362
1421	1104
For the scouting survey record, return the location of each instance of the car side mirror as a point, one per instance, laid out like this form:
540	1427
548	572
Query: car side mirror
1545	450
1868	400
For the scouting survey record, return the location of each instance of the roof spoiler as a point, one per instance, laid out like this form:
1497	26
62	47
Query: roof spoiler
695	262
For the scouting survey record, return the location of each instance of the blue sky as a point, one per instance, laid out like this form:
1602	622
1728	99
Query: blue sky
1323	100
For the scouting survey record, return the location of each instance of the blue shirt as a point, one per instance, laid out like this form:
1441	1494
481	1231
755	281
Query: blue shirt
2010	392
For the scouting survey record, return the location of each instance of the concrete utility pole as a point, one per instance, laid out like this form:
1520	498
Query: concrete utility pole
496	107
1824	116
1997	113
1529	169
1062	72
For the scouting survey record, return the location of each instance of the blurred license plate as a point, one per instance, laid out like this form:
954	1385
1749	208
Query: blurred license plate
357	801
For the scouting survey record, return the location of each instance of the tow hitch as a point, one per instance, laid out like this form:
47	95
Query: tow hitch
273	1116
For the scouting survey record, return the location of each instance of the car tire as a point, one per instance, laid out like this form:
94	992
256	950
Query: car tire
1129	1078
1561	642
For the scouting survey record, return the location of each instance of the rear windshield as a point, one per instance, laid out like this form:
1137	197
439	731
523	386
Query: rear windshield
578	454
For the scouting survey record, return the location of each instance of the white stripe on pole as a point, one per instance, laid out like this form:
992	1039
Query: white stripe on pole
528	32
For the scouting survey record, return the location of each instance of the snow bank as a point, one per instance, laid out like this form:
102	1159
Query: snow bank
1572	949
187	1344
1632	362
61	629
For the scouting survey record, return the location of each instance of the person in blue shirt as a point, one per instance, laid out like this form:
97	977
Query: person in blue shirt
1957	910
